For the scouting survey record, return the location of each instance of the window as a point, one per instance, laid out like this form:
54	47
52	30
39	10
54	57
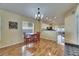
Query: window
28	27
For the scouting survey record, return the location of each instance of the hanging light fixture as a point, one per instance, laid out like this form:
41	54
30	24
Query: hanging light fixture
38	16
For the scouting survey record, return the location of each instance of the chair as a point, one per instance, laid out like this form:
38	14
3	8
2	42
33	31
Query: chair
32	38
36	37
27	38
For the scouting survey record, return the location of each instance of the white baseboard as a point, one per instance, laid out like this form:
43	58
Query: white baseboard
10	44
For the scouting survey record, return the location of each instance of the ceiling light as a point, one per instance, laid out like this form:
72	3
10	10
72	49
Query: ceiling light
38	16
55	17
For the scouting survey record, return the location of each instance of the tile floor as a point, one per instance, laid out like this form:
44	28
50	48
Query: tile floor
71	50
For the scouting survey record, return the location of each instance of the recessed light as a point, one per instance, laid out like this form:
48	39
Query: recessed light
55	17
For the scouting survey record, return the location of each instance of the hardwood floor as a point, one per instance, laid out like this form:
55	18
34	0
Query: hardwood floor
42	48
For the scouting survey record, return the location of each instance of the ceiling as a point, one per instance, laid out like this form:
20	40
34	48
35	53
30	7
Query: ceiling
49	10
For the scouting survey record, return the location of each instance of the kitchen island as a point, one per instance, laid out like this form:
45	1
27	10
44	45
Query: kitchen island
49	34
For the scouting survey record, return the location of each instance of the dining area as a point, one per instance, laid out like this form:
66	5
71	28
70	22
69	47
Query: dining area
31	37
29	33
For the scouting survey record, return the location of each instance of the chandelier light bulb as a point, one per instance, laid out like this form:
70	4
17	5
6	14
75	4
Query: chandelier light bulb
38	15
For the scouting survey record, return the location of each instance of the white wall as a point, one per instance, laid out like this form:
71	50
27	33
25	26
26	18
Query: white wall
11	36
37	26
71	27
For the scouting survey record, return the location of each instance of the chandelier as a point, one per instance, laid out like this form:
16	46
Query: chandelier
38	16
